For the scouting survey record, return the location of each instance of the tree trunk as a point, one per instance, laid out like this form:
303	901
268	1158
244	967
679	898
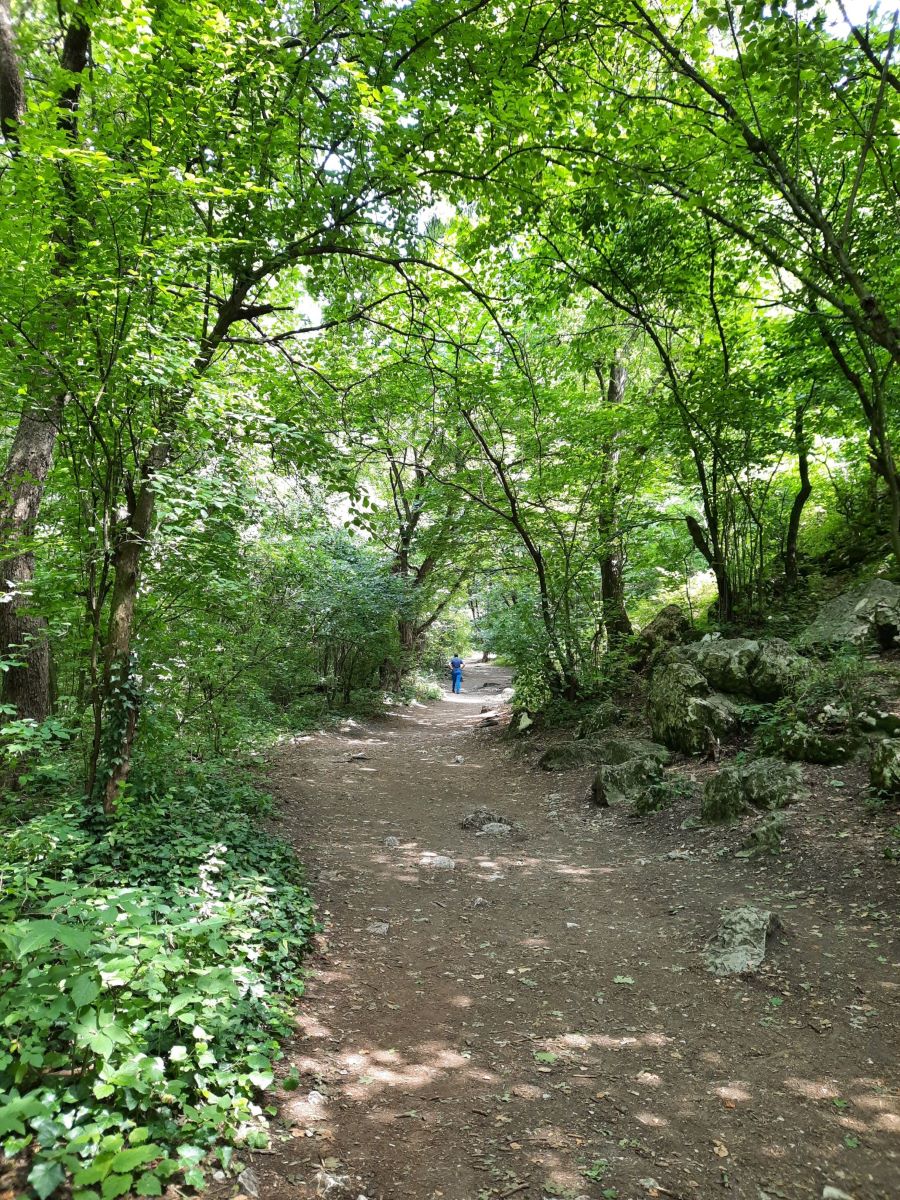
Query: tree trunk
121	697
793	530
612	565
713	556
12	92
23	634
612	591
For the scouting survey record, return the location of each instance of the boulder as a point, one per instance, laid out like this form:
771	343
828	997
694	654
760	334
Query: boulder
436	862
619	783
739	944
884	772
865	616
623	749
629	769
765	836
805	743
763	670
766	783
670	627
685	714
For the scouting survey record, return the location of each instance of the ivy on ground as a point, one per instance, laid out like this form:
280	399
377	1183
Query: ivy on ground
146	970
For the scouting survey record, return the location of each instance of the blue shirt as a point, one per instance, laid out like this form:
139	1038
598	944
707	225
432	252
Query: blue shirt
456	664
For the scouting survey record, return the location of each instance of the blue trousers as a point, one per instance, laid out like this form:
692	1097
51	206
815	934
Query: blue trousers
457	680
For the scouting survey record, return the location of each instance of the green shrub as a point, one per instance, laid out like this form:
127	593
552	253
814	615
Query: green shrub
146	965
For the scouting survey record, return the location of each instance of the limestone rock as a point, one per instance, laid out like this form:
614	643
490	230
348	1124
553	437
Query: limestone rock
497	829
805	743
763	670
739	944
629	768
765	837
436	862
670	627
623	749
391	843
685	714
884	772
766	783
864	616
876	720
618	783
248	1181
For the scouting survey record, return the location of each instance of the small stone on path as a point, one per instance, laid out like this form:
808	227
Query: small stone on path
248	1182
392	843
437	862
497	828
740	942
379	928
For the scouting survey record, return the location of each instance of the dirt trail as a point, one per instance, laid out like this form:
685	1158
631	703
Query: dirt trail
559	1036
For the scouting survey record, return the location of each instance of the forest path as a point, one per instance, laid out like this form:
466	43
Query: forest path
562	1039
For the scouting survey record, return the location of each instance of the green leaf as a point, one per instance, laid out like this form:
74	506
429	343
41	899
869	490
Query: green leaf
85	990
45	1177
135	1156
115	1185
148	1185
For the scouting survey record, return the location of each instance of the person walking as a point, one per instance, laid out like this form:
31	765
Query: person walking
456	670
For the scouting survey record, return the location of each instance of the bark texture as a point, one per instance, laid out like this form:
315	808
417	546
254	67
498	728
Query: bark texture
23	635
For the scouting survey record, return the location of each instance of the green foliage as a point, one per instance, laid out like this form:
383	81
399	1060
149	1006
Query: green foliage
146	966
32	758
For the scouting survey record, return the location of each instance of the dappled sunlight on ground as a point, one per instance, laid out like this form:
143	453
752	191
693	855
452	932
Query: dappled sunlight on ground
537	1021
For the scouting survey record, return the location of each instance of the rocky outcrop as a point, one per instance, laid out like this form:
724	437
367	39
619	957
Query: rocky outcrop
764	783
865	616
763	670
670	627
884	772
685	713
